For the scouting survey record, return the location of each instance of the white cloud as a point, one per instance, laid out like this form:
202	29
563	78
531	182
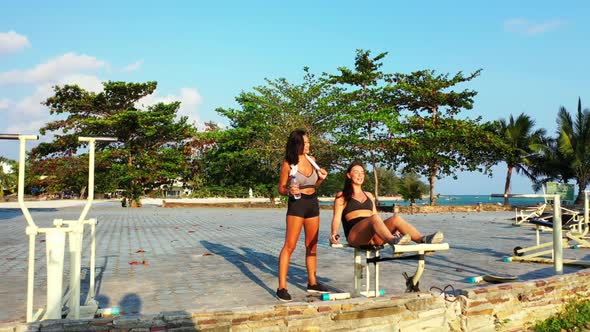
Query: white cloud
87	82
28	115
529	28
189	98
134	66
11	42
53	69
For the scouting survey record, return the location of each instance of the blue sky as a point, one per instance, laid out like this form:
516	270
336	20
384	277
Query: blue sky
533	54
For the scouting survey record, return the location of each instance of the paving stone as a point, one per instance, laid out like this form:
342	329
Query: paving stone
220	258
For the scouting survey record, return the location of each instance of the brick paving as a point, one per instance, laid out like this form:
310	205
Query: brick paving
221	258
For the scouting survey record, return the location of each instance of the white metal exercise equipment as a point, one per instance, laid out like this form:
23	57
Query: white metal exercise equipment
557	244
55	246
372	255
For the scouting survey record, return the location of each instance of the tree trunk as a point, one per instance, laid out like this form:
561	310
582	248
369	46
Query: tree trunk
507	186
581	188
376	177
431	179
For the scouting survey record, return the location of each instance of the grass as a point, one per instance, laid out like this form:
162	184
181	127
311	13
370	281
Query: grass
575	316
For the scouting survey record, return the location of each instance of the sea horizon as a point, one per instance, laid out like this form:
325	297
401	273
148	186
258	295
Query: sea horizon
451	200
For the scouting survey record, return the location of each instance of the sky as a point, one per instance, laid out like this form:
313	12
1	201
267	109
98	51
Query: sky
203	53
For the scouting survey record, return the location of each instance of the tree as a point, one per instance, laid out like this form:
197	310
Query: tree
8	176
411	188
520	142
365	113
435	143
550	164
258	132
152	147
574	143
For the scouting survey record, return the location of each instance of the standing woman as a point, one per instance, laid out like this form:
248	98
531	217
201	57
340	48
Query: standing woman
301	212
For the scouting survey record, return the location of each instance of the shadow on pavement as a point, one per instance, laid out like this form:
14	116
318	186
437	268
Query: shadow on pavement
262	261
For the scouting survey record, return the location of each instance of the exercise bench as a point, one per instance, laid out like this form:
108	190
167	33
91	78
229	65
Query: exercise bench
372	255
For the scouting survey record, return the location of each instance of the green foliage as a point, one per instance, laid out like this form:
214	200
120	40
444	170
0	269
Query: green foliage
152	148
8	179
519	142
411	188
250	152
574	144
575	316
435	143
365	116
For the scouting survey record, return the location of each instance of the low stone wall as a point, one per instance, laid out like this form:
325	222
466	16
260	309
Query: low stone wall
516	305
503	307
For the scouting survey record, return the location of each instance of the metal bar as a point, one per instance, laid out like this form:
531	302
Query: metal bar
21	178
91	290
31	273
557	245
18	136
97	139
90	197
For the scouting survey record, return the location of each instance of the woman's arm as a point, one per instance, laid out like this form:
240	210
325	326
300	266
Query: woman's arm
322	174
284	178
372	198
336	219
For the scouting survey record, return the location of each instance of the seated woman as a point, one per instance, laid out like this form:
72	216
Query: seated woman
356	210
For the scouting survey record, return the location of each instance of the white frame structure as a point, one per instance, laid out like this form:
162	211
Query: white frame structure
55	246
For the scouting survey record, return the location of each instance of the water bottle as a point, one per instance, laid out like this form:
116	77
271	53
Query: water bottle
108	312
296	185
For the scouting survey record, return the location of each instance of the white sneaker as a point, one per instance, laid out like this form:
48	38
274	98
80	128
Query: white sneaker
402	240
434	238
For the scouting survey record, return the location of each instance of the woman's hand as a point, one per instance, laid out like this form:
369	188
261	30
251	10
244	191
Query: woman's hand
334	239
322	173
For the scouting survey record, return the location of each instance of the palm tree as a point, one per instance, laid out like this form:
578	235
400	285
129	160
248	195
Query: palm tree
411	188
550	165
521	143
574	143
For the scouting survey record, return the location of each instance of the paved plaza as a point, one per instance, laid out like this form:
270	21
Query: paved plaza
155	259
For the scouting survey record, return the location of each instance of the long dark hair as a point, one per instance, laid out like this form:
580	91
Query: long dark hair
294	146
347	190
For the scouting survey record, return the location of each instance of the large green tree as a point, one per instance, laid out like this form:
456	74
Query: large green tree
249	153
365	115
153	144
436	142
520	142
574	143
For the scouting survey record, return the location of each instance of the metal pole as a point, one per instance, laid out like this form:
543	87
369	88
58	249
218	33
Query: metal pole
586	204
21	177
91	291
32	233
557	246
90	180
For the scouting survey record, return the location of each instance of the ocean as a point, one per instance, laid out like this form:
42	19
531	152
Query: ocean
460	200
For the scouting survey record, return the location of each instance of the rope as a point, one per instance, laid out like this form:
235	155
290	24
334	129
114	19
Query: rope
448	291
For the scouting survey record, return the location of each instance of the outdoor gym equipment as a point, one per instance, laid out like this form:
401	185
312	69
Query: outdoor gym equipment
372	255
55	246
575	233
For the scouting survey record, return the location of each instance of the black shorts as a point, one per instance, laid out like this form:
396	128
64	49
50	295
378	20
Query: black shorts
305	207
348	225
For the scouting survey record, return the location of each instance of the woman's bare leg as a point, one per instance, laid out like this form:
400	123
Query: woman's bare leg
291	236
369	228
311	226
397	223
